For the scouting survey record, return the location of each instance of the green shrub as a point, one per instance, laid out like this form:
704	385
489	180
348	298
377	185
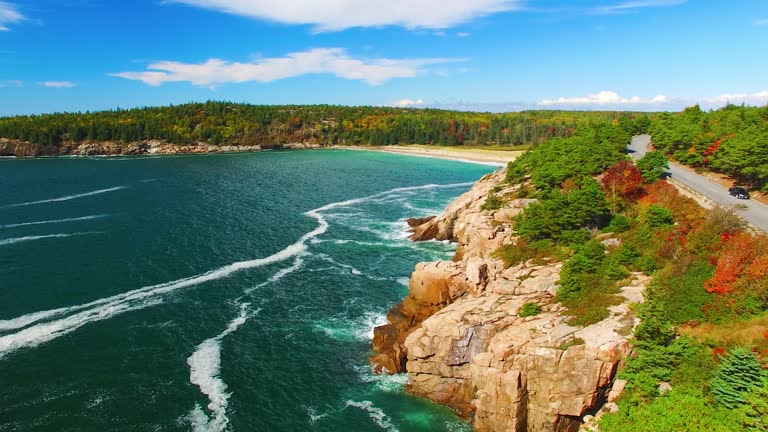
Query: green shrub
537	251
658	216
680	290
618	224
738	375
613	269
529	309
493	202
562	212
574	238
755	414
647	264
627	254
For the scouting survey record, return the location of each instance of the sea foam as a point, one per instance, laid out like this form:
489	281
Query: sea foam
66	198
204	372
39	327
55	221
376	414
14	240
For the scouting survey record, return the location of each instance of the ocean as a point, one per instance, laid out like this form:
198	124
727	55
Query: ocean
233	292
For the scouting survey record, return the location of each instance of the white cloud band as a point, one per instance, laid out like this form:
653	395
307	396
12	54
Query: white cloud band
609	99
333	15
333	61
604	98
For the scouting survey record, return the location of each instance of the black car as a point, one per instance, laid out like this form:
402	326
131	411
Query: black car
739	192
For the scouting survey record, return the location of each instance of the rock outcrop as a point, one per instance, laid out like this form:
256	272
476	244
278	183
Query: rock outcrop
112	148
460	337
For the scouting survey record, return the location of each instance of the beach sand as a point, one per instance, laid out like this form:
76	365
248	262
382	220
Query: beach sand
474	155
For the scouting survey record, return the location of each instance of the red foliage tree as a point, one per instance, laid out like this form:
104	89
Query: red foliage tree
623	179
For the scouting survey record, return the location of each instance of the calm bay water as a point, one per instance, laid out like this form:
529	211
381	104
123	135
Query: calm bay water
211	293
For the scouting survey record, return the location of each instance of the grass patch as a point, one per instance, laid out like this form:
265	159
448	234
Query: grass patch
529	310
538	251
572	342
748	333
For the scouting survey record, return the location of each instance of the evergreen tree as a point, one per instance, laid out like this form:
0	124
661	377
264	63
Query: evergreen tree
738	374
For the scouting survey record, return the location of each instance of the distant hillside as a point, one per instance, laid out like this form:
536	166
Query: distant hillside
223	123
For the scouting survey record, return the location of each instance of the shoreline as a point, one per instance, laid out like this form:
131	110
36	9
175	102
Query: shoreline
498	158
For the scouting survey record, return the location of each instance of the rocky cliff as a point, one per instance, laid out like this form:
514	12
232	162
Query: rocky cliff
460	337
112	148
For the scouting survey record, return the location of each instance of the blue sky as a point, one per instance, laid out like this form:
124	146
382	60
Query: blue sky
496	55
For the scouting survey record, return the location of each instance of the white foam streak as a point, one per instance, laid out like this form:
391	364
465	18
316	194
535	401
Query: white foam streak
66	198
55	221
14	240
376	414
204	370
59	322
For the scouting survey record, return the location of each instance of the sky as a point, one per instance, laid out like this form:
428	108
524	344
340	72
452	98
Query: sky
484	55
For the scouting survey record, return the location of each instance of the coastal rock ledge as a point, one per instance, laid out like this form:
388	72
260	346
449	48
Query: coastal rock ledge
17	148
461	340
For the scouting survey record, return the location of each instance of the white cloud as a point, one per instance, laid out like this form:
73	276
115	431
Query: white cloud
629	6
57	84
758	98
604	98
610	100
9	15
463	34
762	22
334	15
408	103
333	61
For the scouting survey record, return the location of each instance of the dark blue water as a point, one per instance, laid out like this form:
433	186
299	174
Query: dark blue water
211	293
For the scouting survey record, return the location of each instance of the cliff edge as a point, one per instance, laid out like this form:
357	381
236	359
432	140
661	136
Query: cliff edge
461	337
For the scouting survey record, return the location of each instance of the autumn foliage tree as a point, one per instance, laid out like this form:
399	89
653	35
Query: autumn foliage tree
622	181
742	256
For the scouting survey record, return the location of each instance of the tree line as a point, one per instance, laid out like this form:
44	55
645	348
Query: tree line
224	123
732	140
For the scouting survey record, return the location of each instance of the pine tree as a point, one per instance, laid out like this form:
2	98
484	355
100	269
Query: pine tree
738	374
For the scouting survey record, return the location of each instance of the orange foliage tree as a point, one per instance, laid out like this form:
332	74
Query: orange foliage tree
743	257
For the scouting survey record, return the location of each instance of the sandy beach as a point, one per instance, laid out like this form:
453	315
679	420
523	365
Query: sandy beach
463	154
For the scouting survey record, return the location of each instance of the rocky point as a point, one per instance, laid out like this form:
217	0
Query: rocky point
460	337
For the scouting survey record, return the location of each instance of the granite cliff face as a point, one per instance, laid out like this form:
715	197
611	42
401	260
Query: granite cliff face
111	148
461	340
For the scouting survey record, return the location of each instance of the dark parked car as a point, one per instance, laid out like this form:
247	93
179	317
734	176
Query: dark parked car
739	192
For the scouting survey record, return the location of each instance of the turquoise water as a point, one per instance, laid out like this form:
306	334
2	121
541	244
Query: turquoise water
211	293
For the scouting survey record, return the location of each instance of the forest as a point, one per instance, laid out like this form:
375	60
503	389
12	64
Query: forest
732	140
242	124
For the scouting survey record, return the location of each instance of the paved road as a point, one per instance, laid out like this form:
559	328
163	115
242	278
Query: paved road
755	212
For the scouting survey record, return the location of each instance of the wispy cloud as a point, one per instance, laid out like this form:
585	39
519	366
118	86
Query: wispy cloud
629	6
334	61
57	84
761	22
11	83
612	100
604	98
334	15
9	14
404	103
